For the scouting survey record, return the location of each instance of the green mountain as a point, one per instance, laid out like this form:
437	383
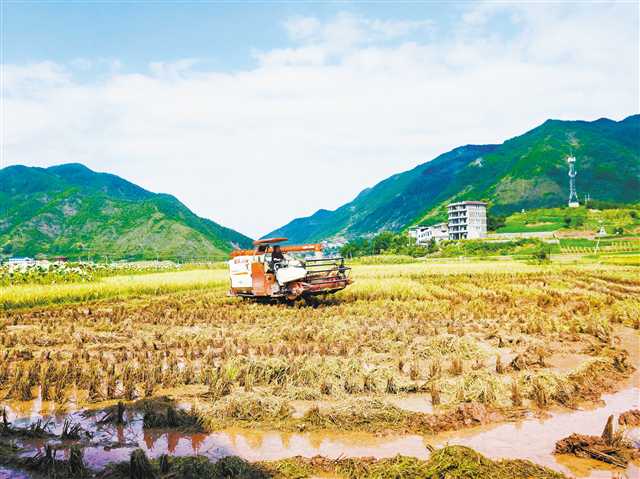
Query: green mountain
73	211
528	171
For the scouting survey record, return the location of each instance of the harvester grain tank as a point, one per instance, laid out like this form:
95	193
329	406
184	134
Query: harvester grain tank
272	271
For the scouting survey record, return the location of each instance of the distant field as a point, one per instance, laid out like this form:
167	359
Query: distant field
368	272
112	287
553	219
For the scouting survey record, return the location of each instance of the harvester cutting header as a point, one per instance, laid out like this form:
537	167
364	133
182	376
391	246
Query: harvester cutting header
274	271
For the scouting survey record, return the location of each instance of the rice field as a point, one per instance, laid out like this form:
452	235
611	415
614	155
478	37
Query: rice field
113	287
414	348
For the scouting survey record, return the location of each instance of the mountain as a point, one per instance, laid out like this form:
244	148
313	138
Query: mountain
528	171
73	211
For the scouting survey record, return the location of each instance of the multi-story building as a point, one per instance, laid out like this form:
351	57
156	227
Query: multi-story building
424	234
467	220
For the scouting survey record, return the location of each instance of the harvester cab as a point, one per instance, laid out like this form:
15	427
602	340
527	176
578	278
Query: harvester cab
272	271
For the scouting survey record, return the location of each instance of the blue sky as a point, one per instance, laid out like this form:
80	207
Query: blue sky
202	100
222	35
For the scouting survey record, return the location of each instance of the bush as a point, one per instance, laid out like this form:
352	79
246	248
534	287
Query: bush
385	243
541	255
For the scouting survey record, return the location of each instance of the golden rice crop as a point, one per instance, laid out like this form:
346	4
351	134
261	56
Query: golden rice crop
428	327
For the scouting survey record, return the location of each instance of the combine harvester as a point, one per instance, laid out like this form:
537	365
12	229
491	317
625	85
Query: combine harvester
272	272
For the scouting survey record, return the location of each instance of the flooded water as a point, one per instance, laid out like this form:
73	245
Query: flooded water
6	473
533	439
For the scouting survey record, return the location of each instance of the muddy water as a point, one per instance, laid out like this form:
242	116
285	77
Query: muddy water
6	473
532	439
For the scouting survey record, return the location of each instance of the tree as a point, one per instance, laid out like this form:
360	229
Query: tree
382	242
495	222
541	254
432	247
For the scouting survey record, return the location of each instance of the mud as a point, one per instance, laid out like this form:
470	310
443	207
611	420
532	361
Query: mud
630	418
112	443
598	448
533	438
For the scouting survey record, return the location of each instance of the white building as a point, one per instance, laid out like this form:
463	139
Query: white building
467	220
21	262
424	234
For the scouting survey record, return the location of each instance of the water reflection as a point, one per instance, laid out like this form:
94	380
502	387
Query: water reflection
532	439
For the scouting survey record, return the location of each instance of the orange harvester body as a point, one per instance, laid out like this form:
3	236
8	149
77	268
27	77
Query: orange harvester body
271	271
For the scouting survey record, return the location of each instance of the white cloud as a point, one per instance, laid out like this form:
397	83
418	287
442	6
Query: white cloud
173	70
302	28
21	78
347	30
338	110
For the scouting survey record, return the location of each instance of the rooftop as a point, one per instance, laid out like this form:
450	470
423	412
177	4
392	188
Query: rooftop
462	203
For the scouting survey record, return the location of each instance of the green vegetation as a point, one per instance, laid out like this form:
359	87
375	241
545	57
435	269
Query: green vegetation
395	248
385	243
524	246
527	172
626	219
452	462
399	247
72	211
57	273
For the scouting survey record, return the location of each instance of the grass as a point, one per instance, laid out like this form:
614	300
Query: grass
554	219
451	462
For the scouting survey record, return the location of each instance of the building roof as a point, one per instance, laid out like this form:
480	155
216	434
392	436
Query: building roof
460	203
424	227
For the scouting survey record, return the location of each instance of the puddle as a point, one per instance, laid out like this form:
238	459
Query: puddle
420	402
532	439
6	473
563	363
535	439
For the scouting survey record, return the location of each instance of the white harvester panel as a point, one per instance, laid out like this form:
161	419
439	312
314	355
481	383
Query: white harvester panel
240	271
290	273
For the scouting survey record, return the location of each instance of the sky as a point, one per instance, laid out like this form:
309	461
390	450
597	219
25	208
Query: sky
255	113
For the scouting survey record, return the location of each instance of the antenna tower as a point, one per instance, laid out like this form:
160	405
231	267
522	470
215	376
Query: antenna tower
573	197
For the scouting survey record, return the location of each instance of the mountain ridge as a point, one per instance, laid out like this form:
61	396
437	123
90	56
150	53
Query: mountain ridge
525	171
71	210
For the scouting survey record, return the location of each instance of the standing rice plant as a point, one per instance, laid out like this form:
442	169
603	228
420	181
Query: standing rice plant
391	387
326	388
435	368
540	393
149	387
139	466
369	383
457	366
516	395
414	371
248	381
499	365
435	393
